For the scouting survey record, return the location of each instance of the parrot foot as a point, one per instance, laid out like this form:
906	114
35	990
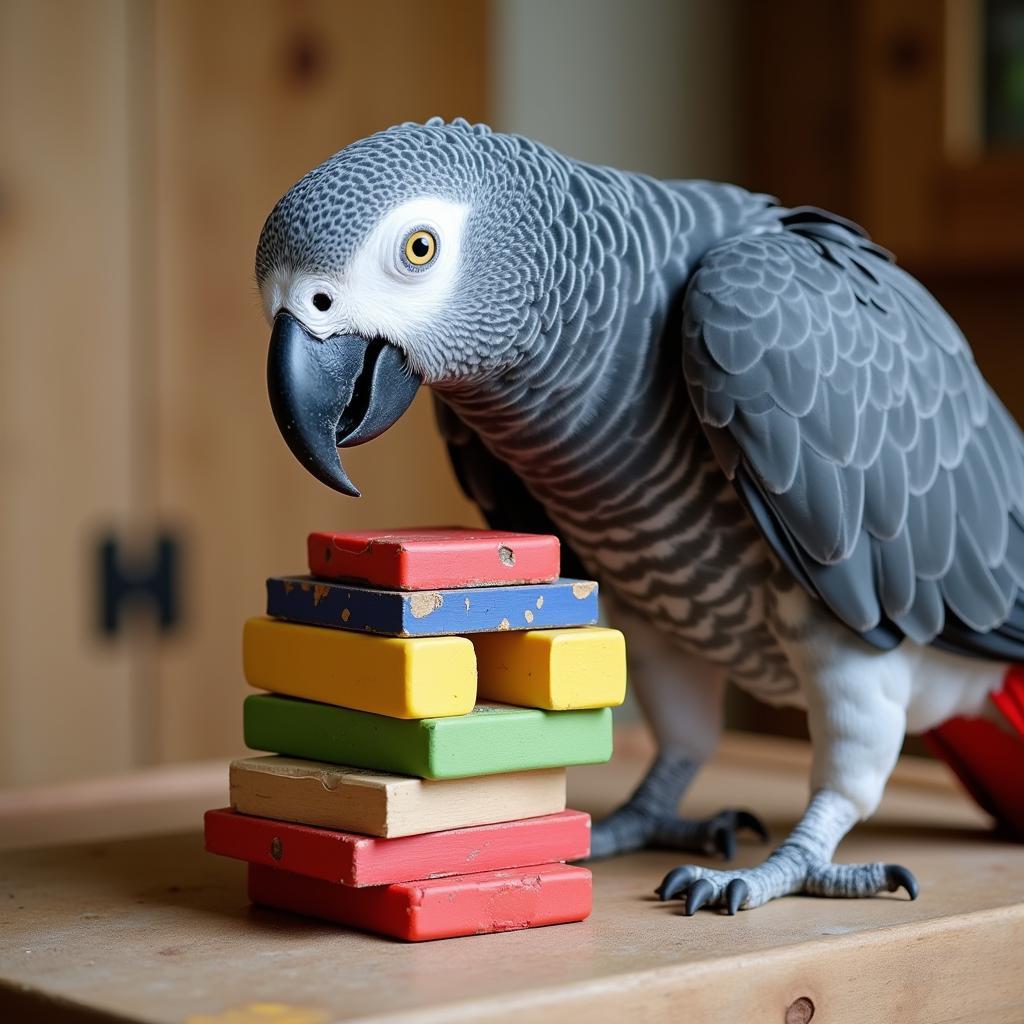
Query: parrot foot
790	869
634	828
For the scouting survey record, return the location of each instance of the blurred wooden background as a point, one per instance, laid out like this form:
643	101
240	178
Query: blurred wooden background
145	142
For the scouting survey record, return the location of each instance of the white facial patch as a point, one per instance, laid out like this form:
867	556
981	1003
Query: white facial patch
378	293
297	292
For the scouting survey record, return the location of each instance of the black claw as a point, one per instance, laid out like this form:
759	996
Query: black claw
896	876
697	895
674	883
744	819
736	893
724	841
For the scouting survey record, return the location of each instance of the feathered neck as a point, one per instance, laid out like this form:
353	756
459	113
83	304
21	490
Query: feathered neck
602	357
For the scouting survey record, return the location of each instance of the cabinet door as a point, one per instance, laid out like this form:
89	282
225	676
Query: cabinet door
249	96
68	368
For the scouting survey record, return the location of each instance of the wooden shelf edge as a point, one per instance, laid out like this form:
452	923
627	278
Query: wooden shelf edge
846	976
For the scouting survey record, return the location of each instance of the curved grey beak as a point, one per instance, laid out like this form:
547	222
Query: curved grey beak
333	394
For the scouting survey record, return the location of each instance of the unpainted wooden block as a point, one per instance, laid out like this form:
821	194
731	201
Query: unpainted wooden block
462	610
555	669
347	858
434	558
402	677
492	738
379	804
438	908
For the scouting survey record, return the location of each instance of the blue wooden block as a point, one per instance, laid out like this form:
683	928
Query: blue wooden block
432	612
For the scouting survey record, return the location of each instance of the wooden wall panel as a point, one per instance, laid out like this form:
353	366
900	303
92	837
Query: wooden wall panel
799	126
249	96
66	378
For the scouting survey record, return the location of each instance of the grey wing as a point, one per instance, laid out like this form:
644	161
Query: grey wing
846	406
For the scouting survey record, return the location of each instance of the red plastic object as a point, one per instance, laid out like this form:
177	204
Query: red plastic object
989	760
434	558
350	859
437	908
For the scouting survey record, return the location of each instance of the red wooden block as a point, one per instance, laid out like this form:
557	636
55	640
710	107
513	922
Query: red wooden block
350	859
434	558
437	908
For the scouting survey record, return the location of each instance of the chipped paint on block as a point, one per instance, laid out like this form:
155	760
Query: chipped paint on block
437	908
422	603
457	612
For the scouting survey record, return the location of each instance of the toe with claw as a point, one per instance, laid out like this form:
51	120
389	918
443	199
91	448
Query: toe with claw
787	871
898	877
718	834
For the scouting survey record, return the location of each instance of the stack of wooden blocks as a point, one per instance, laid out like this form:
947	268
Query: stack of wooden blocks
428	690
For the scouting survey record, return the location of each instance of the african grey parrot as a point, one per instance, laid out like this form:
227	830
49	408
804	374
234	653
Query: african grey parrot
767	441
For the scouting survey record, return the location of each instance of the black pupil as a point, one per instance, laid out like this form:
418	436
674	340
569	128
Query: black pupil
420	247
322	302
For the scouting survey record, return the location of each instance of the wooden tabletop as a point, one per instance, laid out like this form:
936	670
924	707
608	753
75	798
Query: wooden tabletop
152	929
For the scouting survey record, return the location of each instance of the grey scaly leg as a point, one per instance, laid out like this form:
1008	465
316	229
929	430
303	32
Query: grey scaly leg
856	710
801	864
681	696
647	819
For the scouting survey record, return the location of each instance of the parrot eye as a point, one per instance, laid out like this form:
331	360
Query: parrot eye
322	301
419	249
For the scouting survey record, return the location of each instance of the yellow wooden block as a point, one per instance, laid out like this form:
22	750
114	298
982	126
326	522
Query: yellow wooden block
401	677
554	669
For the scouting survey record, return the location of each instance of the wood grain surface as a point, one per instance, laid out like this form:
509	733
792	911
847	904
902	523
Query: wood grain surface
157	931
71	435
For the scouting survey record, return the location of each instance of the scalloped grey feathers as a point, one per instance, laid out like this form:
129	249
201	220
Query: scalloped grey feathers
850	402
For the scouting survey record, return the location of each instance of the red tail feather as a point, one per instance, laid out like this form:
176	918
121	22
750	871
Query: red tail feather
988	759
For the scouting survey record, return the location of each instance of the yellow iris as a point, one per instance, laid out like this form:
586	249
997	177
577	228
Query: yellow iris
420	247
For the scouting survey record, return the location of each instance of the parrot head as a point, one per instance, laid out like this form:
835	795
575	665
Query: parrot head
416	255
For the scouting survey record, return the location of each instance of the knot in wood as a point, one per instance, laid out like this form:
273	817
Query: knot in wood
800	1011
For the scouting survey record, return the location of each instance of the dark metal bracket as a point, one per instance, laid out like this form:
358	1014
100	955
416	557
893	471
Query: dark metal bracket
130	580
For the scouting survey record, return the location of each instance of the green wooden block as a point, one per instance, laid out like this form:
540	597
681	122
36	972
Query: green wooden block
492	738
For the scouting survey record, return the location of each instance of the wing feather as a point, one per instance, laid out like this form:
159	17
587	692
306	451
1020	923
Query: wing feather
848	409
894	571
